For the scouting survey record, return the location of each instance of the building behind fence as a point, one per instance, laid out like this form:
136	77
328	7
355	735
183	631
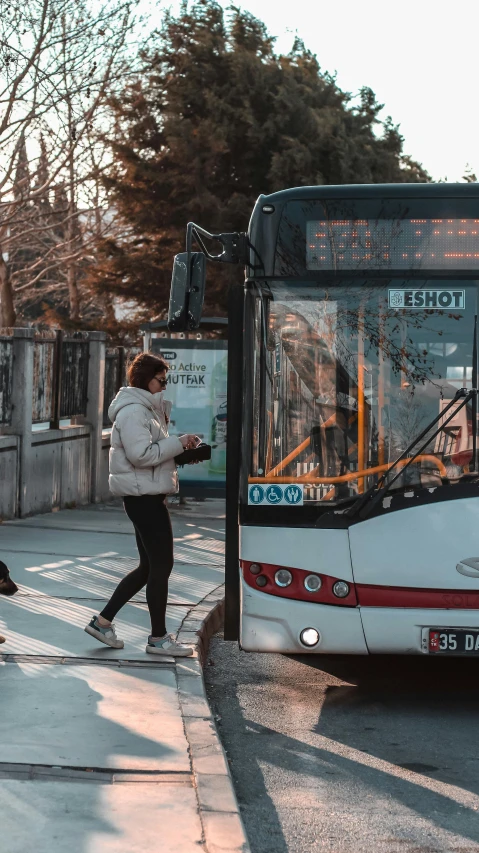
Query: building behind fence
55	390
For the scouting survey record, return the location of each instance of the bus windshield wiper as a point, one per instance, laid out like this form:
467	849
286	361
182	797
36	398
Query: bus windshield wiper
366	502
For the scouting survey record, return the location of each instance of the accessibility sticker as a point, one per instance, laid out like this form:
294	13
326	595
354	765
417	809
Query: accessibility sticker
255	495
273	495
437	300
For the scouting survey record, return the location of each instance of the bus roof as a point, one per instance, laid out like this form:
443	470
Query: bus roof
361	191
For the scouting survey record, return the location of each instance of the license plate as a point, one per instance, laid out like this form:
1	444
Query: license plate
453	641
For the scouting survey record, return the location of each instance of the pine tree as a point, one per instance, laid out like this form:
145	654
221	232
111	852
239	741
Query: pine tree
215	119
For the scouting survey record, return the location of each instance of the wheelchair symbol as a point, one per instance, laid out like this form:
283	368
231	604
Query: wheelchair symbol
274	494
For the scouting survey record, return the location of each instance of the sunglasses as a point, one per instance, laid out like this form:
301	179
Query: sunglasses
162	382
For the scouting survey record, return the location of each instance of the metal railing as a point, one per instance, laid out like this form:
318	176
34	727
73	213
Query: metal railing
6	374
60	376
43	362
115	369
117	360
69	377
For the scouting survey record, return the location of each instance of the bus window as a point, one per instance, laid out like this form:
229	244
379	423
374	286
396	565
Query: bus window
346	379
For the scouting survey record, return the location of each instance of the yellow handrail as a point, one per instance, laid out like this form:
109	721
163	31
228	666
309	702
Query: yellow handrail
289	458
269	446
312	480
304	444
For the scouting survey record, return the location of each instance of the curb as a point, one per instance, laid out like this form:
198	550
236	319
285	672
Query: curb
223	829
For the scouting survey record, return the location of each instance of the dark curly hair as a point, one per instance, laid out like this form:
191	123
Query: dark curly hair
143	368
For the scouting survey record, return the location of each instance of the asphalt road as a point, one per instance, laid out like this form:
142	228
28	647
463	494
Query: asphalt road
350	754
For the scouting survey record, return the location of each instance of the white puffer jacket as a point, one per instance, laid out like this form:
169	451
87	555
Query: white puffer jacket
142	453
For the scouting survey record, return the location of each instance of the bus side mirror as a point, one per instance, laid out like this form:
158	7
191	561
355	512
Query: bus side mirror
187	292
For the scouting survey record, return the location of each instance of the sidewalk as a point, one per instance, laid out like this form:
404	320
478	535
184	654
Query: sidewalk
102	749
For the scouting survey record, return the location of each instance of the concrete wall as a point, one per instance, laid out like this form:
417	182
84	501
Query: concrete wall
9	446
42	470
60	468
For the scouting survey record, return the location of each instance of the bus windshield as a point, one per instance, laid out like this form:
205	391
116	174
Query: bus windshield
345	376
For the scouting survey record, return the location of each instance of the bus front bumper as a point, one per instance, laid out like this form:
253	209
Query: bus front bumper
273	624
405	631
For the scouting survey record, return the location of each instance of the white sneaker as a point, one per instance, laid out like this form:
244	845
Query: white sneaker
106	634
167	646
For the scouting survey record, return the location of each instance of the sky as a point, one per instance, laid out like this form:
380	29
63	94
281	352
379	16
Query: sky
420	57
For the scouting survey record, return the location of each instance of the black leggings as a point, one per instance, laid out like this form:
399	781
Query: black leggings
154	538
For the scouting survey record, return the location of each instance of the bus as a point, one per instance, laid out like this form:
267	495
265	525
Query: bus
352	520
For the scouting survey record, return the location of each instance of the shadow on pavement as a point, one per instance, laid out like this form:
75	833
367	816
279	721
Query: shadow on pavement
405	720
393	748
75	717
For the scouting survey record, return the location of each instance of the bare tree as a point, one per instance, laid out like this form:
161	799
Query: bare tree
60	60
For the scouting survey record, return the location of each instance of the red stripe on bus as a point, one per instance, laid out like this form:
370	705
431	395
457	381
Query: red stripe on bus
371	595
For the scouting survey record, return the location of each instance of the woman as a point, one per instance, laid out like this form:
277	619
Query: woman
142	473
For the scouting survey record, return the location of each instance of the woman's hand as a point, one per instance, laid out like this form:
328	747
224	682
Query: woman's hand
189	441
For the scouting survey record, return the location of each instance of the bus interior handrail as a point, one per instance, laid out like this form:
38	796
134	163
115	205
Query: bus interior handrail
344	478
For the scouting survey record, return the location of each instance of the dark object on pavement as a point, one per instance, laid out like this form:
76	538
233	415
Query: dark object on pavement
201	453
7	587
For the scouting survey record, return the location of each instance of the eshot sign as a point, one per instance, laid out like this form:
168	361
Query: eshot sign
273	495
436	300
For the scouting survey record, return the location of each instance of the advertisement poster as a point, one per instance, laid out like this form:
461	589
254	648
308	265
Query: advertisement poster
197	387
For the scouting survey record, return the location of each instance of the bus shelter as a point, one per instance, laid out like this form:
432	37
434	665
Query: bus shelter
197	387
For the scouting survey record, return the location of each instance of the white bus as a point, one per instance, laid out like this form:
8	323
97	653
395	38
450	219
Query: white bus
352	473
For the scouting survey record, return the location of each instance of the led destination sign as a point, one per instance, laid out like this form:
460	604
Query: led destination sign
429	299
374	244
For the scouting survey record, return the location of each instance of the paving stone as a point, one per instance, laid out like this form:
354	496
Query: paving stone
214	762
202	737
214	794
92	716
188	666
55	627
93	751
96	576
194	707
99	818
224	833
190	685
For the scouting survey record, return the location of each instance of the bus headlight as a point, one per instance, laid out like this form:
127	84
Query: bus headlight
283	578
313	583
341	589
309	637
